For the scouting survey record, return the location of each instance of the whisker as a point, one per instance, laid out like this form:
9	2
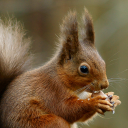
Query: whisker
122	71
117	79
115	88
111	64
80	89
114	55
83	88
114	60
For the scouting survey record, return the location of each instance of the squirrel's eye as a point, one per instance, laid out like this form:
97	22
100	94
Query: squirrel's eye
84	69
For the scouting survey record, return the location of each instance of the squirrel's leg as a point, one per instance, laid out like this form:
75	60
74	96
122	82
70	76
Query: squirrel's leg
90	114
49	121
44	121
87	116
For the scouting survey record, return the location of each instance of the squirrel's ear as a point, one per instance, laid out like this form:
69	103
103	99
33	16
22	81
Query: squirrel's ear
69	36
87	30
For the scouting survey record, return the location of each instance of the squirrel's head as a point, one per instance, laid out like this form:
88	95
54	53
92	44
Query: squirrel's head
79	63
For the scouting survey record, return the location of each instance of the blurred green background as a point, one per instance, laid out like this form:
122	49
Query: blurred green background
41	19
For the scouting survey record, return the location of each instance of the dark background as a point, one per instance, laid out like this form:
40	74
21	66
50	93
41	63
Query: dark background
41	19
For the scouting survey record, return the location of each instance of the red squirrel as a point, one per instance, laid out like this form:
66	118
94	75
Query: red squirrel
48	96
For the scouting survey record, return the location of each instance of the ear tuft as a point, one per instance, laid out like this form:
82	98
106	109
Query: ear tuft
69	35
88	29
69	27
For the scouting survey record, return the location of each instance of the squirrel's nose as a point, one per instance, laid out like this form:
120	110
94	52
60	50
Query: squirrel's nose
104	84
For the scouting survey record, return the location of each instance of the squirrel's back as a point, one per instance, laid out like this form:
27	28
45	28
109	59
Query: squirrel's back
14	52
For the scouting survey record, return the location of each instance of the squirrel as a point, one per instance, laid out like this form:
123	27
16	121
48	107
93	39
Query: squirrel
48	96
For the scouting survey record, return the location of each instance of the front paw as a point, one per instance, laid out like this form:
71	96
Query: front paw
114	99
101	105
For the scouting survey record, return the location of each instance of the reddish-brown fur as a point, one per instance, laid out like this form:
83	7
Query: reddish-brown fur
46	97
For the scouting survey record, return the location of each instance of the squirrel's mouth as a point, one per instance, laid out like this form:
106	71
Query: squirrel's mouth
96	86
93	89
